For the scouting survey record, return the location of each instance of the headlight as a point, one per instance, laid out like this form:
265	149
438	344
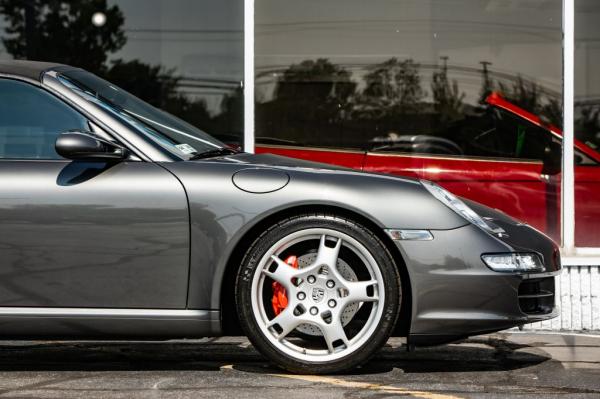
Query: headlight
513	262
454	203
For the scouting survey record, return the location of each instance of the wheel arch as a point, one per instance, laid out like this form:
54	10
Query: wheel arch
229	317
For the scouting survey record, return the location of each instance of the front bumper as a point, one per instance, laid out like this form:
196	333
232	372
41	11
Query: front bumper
454	294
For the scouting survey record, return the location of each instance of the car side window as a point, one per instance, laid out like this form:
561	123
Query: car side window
523	139
501	134
31	119
485	133
486	137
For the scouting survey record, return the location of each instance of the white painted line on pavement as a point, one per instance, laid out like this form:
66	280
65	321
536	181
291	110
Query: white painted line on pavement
367	386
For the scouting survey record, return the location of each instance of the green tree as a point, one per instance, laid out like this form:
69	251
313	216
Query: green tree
553	111
587	125
231	117
153	83
61	31
487	84
309	105
447	99
315	89
315	82
393	87
525	94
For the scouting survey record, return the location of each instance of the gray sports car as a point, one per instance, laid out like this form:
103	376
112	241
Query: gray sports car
119	220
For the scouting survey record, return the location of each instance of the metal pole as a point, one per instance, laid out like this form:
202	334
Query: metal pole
249	75
568	174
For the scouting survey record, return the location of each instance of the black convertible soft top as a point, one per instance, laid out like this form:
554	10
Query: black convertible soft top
28	69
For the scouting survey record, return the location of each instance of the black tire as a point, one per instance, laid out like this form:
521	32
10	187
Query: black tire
385	262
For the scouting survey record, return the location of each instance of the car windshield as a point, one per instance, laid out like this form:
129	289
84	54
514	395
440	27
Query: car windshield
176	135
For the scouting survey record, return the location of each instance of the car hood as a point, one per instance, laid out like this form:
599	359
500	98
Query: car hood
281	162
273	160
263	184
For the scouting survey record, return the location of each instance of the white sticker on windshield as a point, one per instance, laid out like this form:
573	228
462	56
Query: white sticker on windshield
186	149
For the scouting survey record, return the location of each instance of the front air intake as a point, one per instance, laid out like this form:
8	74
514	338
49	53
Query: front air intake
536	296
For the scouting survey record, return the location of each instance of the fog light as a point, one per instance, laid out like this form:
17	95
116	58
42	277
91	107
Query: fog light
513	262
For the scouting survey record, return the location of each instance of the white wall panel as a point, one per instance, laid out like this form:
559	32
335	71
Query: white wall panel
586	304
578	299
595	297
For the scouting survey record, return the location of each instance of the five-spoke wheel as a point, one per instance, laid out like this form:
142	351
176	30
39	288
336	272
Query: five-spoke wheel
329	310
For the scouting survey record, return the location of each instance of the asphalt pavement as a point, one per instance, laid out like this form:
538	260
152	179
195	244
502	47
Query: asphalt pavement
491	366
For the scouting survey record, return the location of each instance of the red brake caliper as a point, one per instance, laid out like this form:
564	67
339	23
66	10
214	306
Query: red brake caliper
280	299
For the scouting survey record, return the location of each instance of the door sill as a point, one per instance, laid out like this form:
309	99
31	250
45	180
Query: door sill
108	323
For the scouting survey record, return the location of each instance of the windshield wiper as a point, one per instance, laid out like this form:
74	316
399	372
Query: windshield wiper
213	153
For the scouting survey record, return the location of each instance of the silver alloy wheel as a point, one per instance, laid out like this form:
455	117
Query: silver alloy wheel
314	299
346	272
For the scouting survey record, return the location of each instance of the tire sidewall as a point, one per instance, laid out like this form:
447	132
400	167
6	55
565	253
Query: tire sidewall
371	242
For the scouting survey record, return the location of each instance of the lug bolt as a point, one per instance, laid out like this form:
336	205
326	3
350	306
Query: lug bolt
330	284
332	303
301	296
311	279
314	311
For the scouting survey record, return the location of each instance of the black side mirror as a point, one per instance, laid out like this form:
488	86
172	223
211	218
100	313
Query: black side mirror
552	158
84	145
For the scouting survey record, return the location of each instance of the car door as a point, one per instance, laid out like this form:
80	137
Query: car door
500	164
83	233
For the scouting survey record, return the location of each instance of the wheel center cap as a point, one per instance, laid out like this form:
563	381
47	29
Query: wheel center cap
318	294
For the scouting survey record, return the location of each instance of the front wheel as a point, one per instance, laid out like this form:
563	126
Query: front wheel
318	294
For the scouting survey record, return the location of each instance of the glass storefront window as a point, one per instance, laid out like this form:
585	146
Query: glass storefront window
184	56
465	93
587	124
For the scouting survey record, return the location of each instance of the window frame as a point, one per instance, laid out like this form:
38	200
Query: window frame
571	254
140	147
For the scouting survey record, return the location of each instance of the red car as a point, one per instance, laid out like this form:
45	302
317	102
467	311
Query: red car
506	158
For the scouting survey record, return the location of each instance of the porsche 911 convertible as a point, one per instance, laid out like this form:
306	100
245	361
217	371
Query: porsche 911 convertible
119	220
